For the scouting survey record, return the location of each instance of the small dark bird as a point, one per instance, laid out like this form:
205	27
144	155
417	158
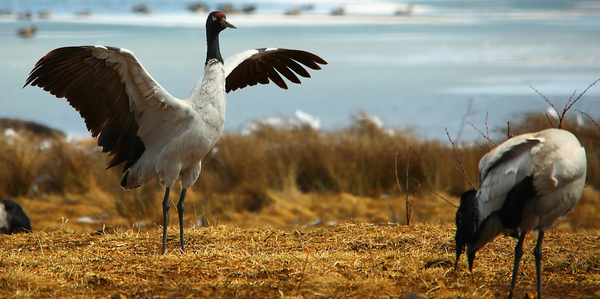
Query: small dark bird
142	9
155	135
12	218
27	31
525	184
197	7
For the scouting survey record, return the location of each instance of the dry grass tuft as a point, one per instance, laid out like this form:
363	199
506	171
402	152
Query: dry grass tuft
345	260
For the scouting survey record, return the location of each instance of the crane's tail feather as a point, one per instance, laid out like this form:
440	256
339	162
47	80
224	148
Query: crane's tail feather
129	182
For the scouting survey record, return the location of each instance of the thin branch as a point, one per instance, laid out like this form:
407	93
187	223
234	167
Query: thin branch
508	136
487	131
413	199
464	120
545	98
490	141
405	195
592	119
549	120
438	195
579	97
407	161
464	172
408	206
567	107
396	171
479	145
457	170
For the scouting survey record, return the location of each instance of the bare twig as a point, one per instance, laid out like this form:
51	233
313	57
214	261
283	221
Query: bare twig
396	171
409	216
458	170
487	131
592	119
479	145
508	135
568	105
408	206
545	98
549	120
409	202
464	172
490	141
580	95
438	195
464	120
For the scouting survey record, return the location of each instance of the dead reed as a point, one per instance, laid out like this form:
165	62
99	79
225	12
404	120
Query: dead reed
281	172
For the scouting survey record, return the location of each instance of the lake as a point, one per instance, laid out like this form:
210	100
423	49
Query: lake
419	71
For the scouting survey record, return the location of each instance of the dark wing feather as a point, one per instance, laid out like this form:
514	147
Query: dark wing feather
93	87
262	66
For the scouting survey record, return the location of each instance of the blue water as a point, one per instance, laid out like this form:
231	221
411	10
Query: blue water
416	72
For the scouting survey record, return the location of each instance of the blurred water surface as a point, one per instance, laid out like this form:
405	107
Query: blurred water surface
418	71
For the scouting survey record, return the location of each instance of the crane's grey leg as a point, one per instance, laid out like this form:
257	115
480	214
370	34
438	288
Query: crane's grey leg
518	255
166	206
538	262
180	209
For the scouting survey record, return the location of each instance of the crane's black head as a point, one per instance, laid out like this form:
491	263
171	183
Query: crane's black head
216	22
13	219
467	219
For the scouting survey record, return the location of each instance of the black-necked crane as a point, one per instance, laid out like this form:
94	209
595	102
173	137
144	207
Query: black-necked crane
155	135
525	184
12	218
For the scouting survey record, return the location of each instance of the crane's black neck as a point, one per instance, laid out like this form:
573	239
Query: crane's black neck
212	42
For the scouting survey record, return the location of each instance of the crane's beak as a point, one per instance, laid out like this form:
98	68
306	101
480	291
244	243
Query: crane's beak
224	23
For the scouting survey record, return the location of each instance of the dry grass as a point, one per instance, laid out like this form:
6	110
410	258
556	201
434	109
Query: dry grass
288	178
283	177
274	214
345	260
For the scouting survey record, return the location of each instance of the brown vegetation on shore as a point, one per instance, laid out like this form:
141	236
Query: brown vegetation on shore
287	178
279	213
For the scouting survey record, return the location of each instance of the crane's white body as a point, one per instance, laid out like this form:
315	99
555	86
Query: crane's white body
155	135
179	134
3	217
12	218
525	184
558	165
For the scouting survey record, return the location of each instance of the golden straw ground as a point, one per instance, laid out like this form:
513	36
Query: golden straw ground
269	179
345	260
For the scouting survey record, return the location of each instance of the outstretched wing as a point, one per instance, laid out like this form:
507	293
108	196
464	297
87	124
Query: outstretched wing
112	91
255	66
